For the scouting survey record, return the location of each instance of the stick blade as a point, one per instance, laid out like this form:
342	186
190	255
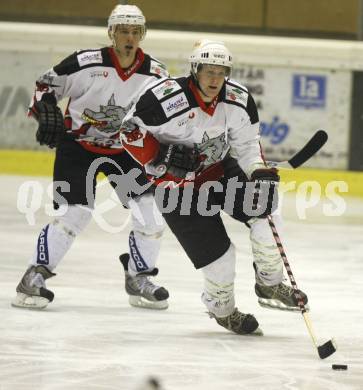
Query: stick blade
327	349
313	146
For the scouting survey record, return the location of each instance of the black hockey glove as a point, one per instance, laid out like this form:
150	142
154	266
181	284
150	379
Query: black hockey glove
50	120
176	160
265	197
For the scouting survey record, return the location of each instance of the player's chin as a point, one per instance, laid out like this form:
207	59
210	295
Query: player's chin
212	92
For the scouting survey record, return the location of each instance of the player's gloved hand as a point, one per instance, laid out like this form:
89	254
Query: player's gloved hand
50	121
177	160
265	197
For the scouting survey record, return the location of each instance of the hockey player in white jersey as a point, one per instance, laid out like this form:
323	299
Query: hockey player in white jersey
101	85
208	125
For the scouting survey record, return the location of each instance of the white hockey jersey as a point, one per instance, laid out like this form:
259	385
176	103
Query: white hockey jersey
174	113
100	93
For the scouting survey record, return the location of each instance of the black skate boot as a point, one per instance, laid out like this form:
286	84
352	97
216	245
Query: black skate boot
239	323
279	297
142	292
31	291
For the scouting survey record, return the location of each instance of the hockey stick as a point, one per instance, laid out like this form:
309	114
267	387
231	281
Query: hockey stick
327	348
313	146
315	143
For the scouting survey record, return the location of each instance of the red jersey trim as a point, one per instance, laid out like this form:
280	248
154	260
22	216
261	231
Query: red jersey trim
126	74
67	117
262	155
212	105
212	173
144	153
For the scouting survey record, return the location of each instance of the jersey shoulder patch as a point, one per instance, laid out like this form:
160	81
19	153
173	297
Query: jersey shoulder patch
165	88
236	94
175	104
82	59
89	57
157	68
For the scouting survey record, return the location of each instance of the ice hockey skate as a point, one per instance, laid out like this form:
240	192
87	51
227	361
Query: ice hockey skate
279	297
142	292
31	291
240	323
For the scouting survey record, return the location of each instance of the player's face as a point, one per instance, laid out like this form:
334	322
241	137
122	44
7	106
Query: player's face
211	79
127	39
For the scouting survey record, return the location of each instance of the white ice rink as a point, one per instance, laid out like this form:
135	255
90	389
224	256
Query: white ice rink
90	338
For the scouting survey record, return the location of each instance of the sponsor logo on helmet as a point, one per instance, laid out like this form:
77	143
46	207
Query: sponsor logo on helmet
219	55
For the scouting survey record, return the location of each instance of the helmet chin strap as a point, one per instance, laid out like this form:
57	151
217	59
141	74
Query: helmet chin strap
196	82
201	90
111	34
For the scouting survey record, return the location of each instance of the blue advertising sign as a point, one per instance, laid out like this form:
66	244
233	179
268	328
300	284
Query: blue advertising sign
309	91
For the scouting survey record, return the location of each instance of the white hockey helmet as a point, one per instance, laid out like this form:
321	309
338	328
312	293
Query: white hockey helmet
210	52
126	14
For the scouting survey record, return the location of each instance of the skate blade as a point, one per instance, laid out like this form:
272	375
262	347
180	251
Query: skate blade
257	332
141	302
278	305
29	302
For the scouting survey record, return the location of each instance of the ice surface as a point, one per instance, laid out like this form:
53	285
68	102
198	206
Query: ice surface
90	338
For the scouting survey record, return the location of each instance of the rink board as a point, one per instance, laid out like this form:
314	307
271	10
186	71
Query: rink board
40	163
296	95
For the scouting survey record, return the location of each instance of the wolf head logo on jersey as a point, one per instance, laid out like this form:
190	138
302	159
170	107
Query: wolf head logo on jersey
214	149
108	119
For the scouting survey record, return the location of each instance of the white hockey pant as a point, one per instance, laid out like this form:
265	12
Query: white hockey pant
145	237
218	294
266	255
56	238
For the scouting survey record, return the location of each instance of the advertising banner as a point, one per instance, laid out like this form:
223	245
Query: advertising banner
294	103
19	72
